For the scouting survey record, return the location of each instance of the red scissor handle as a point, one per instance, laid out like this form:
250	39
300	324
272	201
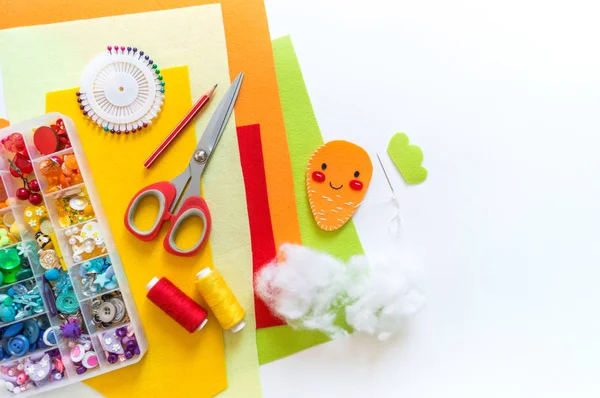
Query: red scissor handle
193	206
165	192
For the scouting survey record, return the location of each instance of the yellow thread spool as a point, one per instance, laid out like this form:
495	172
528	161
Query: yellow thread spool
221	300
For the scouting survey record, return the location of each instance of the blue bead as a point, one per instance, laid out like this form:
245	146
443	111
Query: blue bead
11	292
52	274
7	314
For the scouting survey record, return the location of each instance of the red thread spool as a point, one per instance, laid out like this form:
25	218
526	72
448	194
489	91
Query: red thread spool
176	304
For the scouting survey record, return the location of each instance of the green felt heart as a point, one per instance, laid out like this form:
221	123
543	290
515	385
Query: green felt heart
407	158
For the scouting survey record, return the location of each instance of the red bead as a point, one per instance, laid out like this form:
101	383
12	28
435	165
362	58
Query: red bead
318	176
34	186
356	185
57	159
35	199
22	193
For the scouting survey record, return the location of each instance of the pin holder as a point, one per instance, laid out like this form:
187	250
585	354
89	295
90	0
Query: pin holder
66	310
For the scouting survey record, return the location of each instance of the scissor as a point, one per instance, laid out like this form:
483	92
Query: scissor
179	199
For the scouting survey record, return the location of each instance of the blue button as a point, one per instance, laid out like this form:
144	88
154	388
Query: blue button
43	322
18	345
13	329
31	330
32	347
49	337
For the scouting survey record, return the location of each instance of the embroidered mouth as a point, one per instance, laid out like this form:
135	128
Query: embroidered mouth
336	188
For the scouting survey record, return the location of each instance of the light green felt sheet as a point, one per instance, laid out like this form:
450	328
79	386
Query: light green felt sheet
304	137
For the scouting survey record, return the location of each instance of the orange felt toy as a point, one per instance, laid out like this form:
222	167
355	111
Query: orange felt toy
337	178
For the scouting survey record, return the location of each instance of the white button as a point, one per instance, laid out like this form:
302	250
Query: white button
106	312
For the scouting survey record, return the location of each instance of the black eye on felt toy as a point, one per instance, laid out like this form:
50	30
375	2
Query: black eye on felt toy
356	174
323	166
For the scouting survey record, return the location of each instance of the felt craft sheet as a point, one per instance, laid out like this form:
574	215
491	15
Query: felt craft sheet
261	231
249	49
407	158
304	137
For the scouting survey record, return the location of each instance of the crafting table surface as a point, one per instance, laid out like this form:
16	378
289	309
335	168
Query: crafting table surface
502	98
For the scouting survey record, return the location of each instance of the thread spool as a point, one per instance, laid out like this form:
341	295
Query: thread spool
220	299
176	304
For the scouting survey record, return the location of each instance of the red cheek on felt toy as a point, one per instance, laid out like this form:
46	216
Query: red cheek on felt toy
356	185
318	176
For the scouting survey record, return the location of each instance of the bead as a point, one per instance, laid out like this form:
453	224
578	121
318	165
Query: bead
79	100
7	314
160	77
134	49
106	128
81	370
112	358
78	93
121	332
356	185
162	83
157	71
122	48
318	176
154	66
128	354
23	274
128	49
147	57
150	62
141	53
35	199
52	274
109	48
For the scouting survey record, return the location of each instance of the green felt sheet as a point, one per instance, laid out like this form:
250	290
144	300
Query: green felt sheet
303	137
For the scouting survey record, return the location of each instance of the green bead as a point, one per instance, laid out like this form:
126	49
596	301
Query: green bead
162	90
162	83
154	66
8	301
157	71
160	77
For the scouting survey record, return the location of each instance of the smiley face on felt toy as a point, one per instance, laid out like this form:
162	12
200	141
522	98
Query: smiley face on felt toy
337	178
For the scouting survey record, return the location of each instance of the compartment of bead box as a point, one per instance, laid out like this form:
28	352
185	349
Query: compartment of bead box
66	310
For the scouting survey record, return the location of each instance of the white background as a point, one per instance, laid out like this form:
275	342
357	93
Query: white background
504	99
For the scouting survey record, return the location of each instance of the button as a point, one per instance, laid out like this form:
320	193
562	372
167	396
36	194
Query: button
77	353
43	322
52	274
13	329
18	345
67	303
49	337
31	330
90	360
107	312
119	307
39	371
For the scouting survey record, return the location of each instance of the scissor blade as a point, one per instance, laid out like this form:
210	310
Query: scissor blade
216	125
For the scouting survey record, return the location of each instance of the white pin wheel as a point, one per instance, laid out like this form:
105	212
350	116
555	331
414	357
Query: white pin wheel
122	90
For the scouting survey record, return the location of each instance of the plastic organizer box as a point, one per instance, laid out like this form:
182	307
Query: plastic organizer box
66	310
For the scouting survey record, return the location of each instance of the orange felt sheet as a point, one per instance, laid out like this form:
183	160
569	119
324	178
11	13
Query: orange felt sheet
249	50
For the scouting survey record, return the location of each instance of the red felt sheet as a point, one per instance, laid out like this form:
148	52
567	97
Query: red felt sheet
259	213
